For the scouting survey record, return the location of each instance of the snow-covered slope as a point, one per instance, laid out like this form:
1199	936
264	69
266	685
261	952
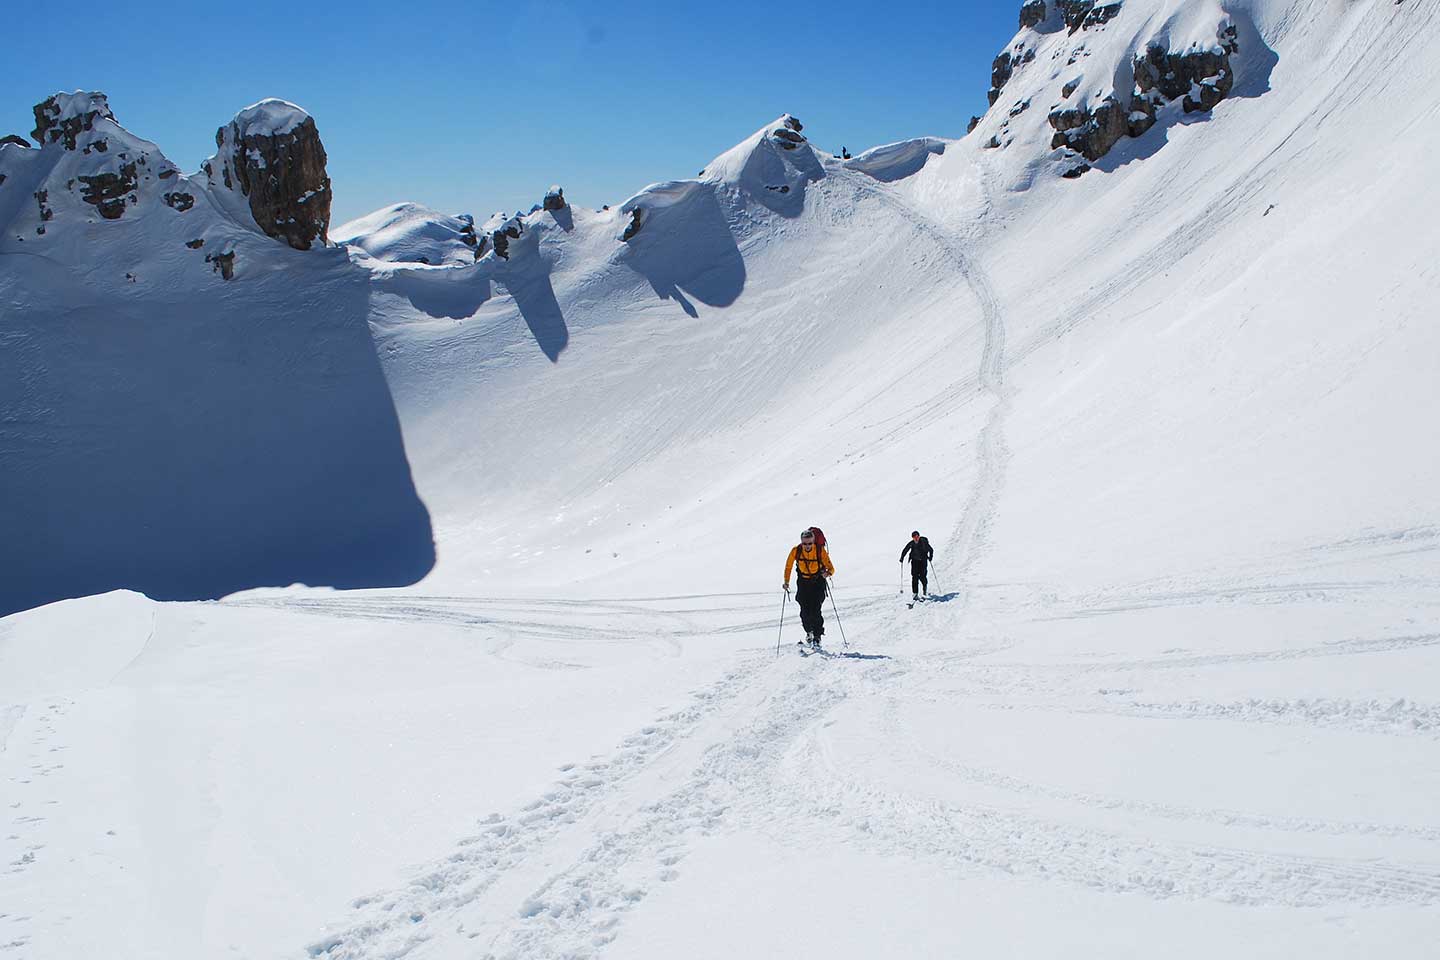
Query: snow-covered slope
1165	422
411	233
190	407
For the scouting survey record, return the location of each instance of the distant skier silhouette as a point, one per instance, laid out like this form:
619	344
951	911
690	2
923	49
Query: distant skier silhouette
811	563
921	553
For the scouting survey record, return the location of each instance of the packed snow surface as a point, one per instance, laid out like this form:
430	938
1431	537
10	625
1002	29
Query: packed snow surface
1176	689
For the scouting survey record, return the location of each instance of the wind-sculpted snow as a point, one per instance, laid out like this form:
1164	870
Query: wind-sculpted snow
895	161
411	233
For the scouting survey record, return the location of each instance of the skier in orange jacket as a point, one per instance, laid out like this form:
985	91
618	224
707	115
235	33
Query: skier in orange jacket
812	565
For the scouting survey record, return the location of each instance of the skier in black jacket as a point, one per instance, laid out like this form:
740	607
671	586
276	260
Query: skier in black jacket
921	553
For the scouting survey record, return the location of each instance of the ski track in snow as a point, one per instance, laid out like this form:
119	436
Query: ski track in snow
992	454
393	924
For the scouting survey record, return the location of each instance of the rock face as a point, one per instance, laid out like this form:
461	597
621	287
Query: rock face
222	263
1100	15
1032	14
17	141
633	227
1074	12
1199	76
554	199
63	117
271	152
788	133
1090	133
501	229
1001	70
110	192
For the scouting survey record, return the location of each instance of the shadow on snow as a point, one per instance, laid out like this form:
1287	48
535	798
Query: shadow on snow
245	437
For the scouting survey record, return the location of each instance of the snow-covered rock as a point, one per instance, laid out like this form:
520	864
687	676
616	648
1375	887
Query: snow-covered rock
501	228
87	167
1111	71
271	154
64	117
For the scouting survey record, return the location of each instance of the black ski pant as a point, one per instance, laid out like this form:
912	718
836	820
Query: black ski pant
917	580
810	594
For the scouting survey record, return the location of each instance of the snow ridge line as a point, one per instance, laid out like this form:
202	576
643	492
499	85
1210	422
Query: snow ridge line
397	923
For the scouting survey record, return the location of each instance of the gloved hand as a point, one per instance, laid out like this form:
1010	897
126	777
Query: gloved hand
786	587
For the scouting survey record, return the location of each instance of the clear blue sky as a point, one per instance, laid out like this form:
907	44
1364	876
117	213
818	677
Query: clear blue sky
479	106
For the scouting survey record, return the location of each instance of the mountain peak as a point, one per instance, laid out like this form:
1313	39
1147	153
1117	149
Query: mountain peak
63	117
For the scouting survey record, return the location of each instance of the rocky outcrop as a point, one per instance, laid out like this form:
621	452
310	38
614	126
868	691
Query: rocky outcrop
633	227
272	153
17	141
1087	14
501	230
222	263
467	234
111	192
788	134
1000	72
63	117
179	200
1032	14
42	198
1075	12
1100	15
554	199
1199	76
1090	133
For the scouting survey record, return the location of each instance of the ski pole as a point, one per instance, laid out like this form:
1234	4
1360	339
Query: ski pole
902	578
783	598
837	612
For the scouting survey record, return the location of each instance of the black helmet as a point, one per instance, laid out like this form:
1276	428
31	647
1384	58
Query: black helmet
914	533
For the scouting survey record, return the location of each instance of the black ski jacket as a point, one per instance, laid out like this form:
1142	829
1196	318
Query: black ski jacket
922	553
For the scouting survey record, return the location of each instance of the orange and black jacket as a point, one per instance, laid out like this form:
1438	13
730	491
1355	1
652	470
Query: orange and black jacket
808	562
